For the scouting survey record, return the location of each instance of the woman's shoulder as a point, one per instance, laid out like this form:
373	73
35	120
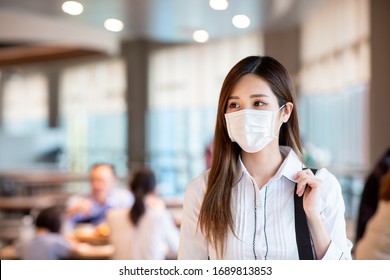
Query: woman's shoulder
196	188
155	203
198	184
325	175
331	185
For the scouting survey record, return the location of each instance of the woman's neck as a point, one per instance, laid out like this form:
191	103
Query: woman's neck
263	165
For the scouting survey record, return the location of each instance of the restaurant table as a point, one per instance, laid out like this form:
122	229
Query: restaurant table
93	252
8	253
90	234
83	252
90	244
30	181
31	202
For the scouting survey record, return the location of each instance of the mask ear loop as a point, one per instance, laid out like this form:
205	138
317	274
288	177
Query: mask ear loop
276	132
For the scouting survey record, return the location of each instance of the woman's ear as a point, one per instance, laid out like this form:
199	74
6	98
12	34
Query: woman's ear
286	111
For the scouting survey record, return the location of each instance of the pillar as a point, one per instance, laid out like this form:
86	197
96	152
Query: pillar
136	54
379	122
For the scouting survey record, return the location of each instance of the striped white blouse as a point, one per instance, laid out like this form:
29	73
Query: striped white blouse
264	219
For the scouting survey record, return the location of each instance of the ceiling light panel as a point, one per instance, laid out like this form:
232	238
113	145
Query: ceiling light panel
72	8
241	21
201	36
219	4
113	25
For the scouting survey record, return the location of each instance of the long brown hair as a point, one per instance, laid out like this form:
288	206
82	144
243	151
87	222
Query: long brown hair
215	217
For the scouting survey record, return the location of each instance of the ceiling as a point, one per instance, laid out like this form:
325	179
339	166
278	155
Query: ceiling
26	24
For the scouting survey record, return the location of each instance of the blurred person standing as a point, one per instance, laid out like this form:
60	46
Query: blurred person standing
370	195
147	230
104	195
243	207
375	243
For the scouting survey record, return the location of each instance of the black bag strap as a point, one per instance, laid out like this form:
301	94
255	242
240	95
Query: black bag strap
301	228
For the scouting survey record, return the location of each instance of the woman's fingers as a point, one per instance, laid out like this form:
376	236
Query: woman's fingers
305	178
301	178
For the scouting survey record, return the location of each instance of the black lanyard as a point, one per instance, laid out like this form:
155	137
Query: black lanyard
302	233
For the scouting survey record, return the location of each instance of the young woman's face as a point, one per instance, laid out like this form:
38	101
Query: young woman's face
252	92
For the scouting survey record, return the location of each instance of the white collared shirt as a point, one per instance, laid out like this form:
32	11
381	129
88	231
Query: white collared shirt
154	238
272	236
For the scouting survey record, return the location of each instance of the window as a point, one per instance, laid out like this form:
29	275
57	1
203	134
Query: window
184	86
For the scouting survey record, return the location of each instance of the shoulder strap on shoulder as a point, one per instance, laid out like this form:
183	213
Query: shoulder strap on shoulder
302	233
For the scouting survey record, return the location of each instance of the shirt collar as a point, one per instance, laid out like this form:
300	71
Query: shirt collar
291	164
289	168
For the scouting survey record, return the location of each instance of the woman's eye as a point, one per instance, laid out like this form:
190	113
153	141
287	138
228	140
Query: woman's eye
233	105
258	104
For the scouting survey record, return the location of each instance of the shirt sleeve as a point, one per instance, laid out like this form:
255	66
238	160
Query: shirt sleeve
332	213
192	245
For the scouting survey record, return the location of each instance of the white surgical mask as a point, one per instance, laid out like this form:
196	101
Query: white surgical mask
252	129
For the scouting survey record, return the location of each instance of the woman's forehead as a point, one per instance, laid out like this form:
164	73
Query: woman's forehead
251	86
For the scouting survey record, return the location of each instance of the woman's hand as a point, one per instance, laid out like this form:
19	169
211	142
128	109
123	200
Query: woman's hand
309	186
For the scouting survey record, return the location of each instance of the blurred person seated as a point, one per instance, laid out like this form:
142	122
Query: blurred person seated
104	195
48	243
146	231
369	197
375	243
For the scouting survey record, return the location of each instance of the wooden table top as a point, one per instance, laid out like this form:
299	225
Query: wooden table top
31	202
42	177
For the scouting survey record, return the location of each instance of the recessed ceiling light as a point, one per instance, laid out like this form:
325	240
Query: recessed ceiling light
241	21
113	25
72	7
219	4
201	36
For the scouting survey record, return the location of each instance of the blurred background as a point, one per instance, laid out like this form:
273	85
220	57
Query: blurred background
136	82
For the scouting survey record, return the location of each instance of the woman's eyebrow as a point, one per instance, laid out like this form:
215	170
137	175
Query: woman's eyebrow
258	95
251	96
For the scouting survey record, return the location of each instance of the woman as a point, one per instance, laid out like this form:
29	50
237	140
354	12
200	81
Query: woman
370	194
243	207
147	230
